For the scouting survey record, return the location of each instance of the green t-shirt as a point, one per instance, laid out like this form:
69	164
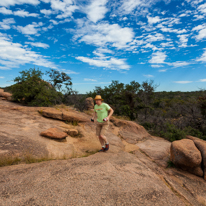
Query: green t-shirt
102	111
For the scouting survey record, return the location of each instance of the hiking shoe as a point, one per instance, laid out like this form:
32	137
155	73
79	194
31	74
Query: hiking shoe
102	150
107	147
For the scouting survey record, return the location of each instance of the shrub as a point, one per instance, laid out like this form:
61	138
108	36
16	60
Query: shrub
32	90
172	133
194	132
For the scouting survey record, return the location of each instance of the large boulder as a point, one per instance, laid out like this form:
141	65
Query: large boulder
66	115
54	133
184	154
89	103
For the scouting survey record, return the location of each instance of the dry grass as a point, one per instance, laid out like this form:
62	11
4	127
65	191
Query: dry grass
121	117
27	158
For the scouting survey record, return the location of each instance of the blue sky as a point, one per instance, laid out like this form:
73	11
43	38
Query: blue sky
97	41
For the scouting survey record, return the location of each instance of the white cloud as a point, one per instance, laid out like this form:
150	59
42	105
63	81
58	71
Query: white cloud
4	10
18	2
158	58
65	7
202	8
201	35
46	12
12	55
203	57
202	80
129	5
96	10
6	23
182	82
23	13
153	20
162	70
148	75
156	66
69	71
155	37
38	44
31	29
183	40
106	62
2	77
90	80
104	34
179	64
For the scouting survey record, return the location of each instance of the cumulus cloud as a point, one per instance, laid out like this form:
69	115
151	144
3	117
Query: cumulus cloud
203	57
6	23
202	80
12	55
38	44
202	8
8	3
153	20
65	7
107	62
96	10
4	10
23	13
30	29
183	40
158	58
179	64
104	34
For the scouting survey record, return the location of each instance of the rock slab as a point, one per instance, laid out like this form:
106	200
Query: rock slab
54	133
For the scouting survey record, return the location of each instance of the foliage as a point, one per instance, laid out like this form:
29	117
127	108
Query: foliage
32	90
127	99
59	79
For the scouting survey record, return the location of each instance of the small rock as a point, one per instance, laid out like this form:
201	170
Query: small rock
54	133
72	132
185	155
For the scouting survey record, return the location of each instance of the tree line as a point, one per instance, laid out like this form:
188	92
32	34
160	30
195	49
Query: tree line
171	115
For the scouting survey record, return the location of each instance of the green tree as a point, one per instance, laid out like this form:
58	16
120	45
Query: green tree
29	88
59	80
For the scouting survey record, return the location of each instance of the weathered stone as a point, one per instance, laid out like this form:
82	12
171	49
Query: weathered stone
157	149
185	155
51	113
72	116
6	95
201	145
72	132
54	133
89	103
130	131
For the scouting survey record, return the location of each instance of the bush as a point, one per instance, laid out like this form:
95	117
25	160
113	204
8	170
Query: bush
172	133
32	90
194	132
